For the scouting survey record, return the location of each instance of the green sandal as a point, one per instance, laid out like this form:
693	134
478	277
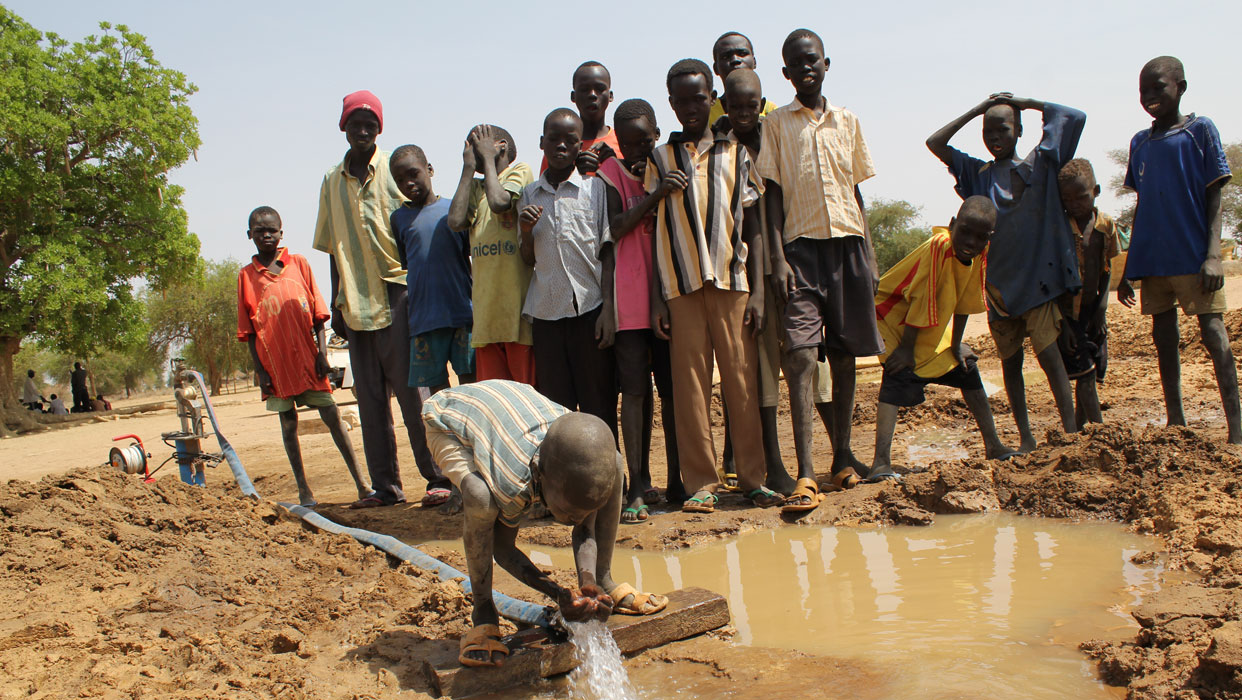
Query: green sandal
633	516
764	497
702	502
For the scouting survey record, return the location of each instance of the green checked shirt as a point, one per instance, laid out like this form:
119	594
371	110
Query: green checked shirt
353	228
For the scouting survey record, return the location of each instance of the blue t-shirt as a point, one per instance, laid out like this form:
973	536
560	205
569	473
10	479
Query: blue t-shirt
1032	258
1171	173
438	267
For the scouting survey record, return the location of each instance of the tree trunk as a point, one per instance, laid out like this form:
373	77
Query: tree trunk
213	376
9	345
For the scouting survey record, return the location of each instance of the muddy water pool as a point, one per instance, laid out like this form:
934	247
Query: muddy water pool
974	606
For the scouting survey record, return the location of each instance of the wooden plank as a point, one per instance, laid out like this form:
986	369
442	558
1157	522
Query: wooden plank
532	655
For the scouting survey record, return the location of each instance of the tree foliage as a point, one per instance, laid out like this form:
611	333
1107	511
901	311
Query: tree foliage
1231	195
895	230
199	318
88	133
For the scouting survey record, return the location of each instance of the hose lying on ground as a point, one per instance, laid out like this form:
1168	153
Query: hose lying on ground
512	608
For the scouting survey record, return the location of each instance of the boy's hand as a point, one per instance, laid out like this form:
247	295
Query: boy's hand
265	382
321	365
603	602
753	316
590	158
674	181
994	99
467	152
576	607
1125	293
606	327
337	324
1211	276
902	358
962	353
529	216
485	142
639	169
782	280
660	322
722	125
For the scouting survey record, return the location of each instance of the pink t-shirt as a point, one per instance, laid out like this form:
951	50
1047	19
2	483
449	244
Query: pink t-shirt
632	251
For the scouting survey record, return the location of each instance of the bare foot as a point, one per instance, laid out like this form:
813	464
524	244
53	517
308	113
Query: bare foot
999	452
1028	445
781	483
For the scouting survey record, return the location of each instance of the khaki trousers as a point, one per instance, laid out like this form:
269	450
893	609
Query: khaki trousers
706	324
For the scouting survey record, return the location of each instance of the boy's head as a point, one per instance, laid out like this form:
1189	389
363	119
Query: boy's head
743	100
1002	126
1162	82
690	93
264	228
592	91
578	469
637	133
971	229
562	138
30	373
805	61
506	150
362	119
53	398
1076	180
77	365
731	51
412	173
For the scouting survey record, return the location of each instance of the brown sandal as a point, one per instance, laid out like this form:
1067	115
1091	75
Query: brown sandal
805	496
847	478
482	638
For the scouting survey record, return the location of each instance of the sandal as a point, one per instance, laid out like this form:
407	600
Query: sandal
729	483
633	516
764	497
847	478
368	502
805	496
639	603
482	638
882	474
702	502
435	497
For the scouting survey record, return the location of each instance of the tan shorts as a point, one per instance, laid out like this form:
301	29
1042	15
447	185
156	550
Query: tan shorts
1042	324
770	358
1160	294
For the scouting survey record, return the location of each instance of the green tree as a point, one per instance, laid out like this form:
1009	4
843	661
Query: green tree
88	133
199	317
895	230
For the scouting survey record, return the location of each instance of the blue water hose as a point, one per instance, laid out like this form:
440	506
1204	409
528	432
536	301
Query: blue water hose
512	608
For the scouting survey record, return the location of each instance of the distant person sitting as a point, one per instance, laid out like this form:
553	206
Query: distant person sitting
99	404
77	382
31	398
57	406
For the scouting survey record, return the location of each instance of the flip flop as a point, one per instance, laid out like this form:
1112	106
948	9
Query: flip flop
368	502
640	603
882	474
435	497
638	515
764	497
705	503
847	478
805	496
482	638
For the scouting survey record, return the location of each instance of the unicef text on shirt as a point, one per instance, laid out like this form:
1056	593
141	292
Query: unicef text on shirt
500	248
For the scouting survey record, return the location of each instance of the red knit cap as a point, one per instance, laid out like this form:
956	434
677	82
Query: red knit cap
363	99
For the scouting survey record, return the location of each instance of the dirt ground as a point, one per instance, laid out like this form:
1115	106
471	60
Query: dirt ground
118	589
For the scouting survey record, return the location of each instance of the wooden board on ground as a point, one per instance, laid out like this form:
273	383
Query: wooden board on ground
533	656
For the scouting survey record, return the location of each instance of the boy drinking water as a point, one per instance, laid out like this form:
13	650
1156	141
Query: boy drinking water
487	207
281	316
1031	261
1178	169
1084	344
941	281
438	276
639	353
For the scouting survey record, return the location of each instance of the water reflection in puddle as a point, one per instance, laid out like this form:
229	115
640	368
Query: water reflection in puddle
972	606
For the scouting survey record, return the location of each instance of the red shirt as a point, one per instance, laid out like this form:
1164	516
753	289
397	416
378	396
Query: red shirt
279	310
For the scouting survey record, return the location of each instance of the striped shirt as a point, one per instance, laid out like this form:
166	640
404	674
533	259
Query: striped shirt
817	163
279	310
568	239
353	227
699	230
502	423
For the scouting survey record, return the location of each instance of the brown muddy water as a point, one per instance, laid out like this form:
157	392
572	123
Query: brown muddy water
973	606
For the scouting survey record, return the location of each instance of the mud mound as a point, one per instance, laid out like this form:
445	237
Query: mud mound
1132	338
113	588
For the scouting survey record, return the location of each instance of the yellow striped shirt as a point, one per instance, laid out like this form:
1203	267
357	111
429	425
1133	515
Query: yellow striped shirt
353	228
698	236
817	163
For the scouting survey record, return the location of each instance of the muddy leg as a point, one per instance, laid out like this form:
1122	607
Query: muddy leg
977	401
1165	334
1216	340
1058	381
289	434
648	420
885	426
800	366
825	412
632	435
1088	410
778	478
332	418
477	537
1015	390
843	381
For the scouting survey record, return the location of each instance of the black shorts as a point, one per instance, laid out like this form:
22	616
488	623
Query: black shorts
641	355
905	388
833	303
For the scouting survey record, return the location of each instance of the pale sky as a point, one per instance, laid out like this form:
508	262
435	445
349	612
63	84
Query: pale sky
271	76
